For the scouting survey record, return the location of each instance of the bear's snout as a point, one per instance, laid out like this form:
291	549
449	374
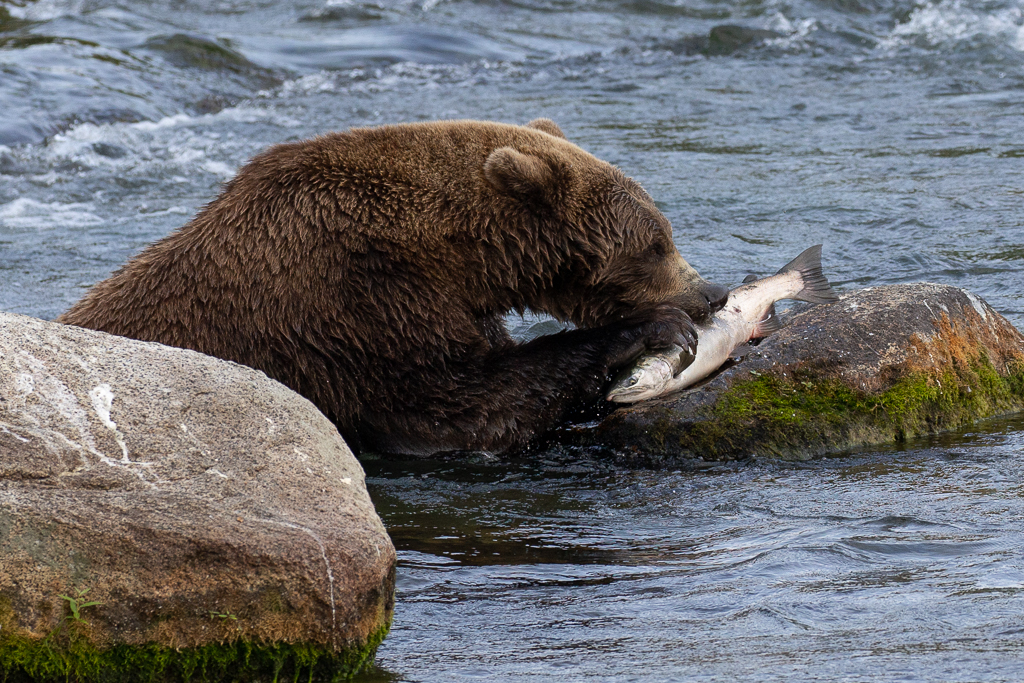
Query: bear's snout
716	296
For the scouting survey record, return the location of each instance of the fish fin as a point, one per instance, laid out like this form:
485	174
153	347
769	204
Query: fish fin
681	358
816	289
768	323
750	278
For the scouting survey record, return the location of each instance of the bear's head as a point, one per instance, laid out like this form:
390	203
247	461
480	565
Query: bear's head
605	248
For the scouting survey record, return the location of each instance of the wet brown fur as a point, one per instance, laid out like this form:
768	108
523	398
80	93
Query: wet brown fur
369	271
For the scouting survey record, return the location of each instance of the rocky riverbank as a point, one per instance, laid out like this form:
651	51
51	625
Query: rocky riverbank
168	516
881	365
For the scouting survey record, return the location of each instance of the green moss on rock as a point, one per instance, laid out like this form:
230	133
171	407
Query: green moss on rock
801	416
68	655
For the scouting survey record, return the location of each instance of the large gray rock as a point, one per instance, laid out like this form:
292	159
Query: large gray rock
879	366
217	517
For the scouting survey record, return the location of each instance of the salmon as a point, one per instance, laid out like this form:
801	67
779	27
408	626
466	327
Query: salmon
748	314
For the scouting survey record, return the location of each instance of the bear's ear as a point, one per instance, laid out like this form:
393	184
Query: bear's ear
520	175
547	126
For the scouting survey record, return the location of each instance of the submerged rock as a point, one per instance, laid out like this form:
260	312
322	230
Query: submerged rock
722	40
727	39
166	515
879	366
196	52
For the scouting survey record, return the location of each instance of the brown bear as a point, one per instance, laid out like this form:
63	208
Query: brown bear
370	271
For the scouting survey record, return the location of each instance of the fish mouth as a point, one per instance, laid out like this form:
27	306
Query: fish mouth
625	387
628	394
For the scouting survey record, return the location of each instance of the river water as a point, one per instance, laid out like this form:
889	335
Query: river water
891	131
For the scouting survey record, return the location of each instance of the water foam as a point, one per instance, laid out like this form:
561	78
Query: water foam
181	145
796	32
953	21
29	213
45	10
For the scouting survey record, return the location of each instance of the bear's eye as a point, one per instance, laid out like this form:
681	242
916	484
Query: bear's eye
657	250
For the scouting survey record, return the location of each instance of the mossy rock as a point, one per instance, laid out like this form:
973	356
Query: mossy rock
881	365
68	654
167	516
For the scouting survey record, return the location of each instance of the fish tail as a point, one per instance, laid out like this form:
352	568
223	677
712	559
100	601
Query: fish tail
816	289
768	323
